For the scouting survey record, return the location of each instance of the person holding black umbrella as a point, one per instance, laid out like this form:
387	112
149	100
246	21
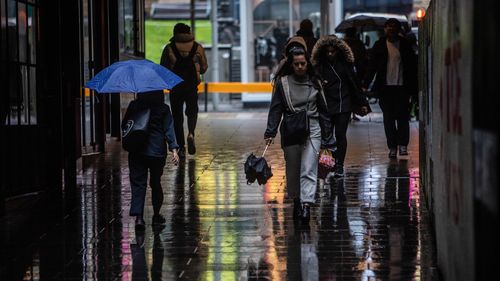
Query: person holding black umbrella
297	92
394	66
151	156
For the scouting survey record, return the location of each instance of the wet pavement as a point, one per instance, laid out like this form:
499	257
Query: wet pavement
370	225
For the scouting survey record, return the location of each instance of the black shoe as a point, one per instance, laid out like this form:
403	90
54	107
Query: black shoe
191	147
182	152
403	150
140	224
306	213
158	220
339	171
297	208
393	153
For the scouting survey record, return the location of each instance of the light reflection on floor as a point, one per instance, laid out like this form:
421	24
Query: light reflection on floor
367	226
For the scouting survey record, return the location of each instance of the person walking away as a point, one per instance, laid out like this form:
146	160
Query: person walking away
186	58
295	85
395	65
333	62
152	155
306	32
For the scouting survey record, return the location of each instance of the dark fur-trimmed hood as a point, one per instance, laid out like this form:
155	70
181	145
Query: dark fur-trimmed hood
331	40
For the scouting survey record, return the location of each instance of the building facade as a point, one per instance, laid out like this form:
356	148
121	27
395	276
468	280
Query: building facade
49	121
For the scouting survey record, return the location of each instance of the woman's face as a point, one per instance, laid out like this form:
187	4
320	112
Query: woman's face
331	53
299	65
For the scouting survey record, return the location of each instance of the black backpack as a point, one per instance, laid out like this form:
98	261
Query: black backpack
185	67
135	129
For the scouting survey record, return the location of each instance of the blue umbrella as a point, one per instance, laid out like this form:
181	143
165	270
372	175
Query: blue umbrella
133	76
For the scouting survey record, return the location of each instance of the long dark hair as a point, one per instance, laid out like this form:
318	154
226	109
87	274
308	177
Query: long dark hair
287	68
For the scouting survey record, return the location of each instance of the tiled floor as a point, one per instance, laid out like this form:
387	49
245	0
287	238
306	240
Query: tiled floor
371	225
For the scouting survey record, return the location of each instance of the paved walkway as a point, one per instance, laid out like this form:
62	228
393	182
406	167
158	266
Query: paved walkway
371	225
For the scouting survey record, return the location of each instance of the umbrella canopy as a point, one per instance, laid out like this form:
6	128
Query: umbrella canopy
368	21
133	76
256	168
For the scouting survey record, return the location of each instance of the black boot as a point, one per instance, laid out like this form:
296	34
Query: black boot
306	213
158	220
140	224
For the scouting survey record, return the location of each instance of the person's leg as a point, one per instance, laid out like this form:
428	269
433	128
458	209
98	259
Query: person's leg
292	168
309	163
192	118
156	171
386	102
340	123
176	104
309	169
402	118
192	110
138	183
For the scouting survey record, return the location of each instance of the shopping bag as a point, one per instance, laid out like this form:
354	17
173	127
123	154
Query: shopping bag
326	163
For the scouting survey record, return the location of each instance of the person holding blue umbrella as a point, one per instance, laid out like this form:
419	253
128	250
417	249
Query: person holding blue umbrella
151	157
147	80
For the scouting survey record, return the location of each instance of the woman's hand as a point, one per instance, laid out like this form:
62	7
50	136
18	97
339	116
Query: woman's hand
175	157
269	141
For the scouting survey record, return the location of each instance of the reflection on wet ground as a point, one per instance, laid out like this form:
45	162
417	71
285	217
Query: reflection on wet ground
370	225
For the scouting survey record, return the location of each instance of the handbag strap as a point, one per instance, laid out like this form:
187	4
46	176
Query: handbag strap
288	97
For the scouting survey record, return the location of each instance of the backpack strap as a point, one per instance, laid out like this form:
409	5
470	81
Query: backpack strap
193	50
175	50
191	54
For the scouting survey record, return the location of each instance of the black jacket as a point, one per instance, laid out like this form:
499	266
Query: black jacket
161	129
341	86
378	65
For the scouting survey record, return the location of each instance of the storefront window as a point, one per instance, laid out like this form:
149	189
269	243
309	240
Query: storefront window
19	59
130	24
275	21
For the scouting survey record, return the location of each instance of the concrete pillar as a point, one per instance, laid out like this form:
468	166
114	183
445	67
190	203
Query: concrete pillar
246	41
215	52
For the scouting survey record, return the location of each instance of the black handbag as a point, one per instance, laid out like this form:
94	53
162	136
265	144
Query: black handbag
295	127
295	124
135	130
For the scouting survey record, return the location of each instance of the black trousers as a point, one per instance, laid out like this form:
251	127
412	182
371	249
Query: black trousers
179	97
139	165
395	105
339	123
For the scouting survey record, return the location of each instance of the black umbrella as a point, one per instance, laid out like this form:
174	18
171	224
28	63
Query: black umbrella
367	21
256	168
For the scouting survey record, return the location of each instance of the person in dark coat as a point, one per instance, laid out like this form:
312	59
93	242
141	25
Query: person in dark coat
394	63
359	51
306	32
295	84
152	156
333	62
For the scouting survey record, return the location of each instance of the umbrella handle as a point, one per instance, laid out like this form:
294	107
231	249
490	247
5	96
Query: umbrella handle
267	146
